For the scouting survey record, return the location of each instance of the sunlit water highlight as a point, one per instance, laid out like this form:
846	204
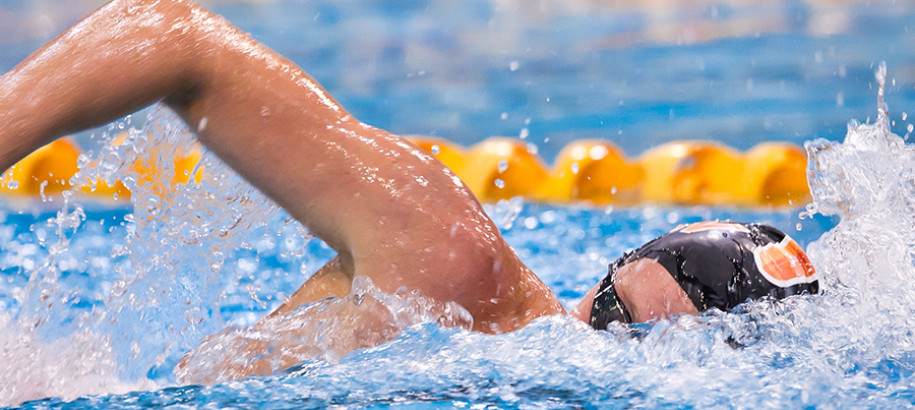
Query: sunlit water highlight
101	302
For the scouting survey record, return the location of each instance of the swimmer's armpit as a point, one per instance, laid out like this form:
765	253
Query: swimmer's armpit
335	279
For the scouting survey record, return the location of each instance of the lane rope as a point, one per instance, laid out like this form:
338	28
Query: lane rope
771	174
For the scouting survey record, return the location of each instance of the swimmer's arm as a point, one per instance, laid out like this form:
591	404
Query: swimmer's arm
392	212
260	113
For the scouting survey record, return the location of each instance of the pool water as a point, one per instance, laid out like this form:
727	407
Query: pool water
98	301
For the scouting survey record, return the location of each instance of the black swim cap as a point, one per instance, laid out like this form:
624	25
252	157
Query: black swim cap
718	265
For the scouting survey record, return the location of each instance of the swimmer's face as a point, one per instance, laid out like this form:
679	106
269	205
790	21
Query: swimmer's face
646	290
711	264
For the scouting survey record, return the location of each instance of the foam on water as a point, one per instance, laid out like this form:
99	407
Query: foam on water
194	257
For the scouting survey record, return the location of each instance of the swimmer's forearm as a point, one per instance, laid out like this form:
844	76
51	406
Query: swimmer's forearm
260	113
117	60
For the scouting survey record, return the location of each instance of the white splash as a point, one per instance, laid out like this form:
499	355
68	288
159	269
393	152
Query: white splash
78	365
869	181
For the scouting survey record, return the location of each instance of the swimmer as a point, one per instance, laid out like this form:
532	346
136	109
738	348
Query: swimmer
393	213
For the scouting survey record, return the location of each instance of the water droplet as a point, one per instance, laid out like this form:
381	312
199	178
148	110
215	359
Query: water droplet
503	166
436	149
910	128
673	217
514	65
524	133
575	169
499	183
798	227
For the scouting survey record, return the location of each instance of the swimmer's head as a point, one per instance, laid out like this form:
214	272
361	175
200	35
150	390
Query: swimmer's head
698	267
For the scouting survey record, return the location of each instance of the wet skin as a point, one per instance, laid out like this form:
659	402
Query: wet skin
646	289
391	211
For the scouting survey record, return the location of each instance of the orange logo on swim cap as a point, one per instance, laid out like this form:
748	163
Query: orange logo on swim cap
711	225
784	263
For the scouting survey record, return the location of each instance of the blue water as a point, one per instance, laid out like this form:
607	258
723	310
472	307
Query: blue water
98	300
569	247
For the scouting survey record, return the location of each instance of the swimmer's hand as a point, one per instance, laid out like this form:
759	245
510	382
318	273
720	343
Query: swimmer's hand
324	330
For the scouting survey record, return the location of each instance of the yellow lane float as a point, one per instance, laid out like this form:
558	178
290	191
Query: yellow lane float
449	153
776	174
502	168
595	171
47	170
103	190
692	173
150	173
